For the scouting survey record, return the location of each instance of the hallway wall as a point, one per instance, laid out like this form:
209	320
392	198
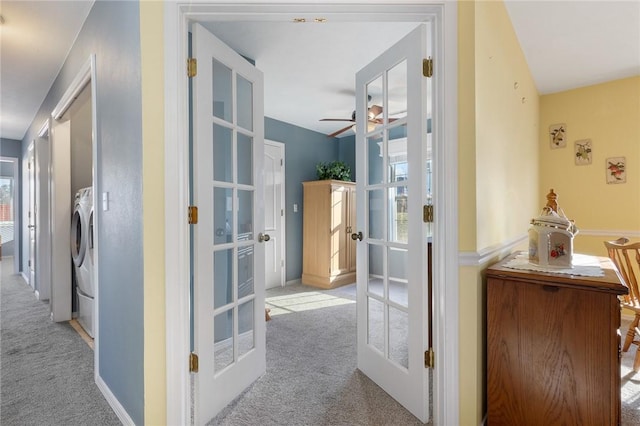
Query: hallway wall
112	33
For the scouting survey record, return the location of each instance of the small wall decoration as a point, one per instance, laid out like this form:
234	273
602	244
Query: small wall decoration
583	151
616	170
557	135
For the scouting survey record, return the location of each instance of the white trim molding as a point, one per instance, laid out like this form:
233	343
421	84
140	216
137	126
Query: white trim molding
478	258
609	233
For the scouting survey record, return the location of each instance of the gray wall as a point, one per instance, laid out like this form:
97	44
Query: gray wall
303	150
112	32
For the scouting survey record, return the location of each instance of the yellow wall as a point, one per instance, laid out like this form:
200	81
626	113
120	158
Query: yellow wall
498	163
609	115
152	64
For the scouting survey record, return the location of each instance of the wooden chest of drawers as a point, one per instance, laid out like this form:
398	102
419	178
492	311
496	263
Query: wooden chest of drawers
553	347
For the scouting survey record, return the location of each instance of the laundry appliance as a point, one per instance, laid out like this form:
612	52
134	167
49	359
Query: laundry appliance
82	255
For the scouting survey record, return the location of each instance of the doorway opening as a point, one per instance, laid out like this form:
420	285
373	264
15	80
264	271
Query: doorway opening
446	385
8	179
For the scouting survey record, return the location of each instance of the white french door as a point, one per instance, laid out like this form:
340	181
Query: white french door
391	158
229	319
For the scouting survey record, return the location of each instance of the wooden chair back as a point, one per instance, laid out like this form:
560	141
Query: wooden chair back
626	257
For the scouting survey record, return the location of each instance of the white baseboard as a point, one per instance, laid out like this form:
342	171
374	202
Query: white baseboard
114	403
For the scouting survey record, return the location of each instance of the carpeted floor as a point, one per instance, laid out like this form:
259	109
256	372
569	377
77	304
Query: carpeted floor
311	376
46	369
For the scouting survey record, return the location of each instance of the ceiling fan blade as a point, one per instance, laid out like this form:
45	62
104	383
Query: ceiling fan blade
375	110
344	129
336	119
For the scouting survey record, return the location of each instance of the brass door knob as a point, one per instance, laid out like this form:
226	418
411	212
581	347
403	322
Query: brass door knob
263	237
357	236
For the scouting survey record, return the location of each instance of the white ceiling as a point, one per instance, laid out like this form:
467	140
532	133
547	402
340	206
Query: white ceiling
34	42
309	68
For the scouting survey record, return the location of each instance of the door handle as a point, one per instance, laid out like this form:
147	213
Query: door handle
263	237
357	236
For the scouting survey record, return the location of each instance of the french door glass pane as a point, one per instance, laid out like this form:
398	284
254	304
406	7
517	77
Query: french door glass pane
399	292
222	215
375	321
223	340
397	90
222	87
222	278
376	272
245	103
245	215
222	154
374	159
398	218
398	336
245	271
245	159
246	336
376	214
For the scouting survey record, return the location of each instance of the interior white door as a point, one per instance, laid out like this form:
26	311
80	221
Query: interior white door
228	153
31	216
274	213
43	229
61	208
392	314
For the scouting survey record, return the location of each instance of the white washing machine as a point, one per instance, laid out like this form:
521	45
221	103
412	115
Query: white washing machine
82	255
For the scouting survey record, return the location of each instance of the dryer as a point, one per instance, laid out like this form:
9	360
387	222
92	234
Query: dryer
82	255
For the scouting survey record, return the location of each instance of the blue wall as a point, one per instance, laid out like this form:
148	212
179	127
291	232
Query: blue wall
10	148
112	32
303	150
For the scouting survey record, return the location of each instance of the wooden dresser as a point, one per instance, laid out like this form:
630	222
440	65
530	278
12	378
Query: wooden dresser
553	347
328	220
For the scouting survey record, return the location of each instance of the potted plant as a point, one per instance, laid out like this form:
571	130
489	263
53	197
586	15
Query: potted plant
337	170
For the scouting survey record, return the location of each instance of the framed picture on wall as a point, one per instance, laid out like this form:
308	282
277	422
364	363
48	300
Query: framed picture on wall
582	149
616	170
558	135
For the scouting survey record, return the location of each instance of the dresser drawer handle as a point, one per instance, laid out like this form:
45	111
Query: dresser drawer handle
551	288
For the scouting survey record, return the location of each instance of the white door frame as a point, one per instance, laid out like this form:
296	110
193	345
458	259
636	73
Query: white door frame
31	215
43	224
445	254
85	76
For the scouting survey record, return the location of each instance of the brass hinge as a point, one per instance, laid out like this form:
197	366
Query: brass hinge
427	67
193	363
192	67
429	358
427	213
193	215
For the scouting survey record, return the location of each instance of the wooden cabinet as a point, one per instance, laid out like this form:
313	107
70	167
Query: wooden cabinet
553	347
328	252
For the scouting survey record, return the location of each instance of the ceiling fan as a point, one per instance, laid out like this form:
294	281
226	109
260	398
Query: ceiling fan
374	112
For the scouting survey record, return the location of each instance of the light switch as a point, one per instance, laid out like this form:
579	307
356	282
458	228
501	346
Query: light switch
295	208
105	201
